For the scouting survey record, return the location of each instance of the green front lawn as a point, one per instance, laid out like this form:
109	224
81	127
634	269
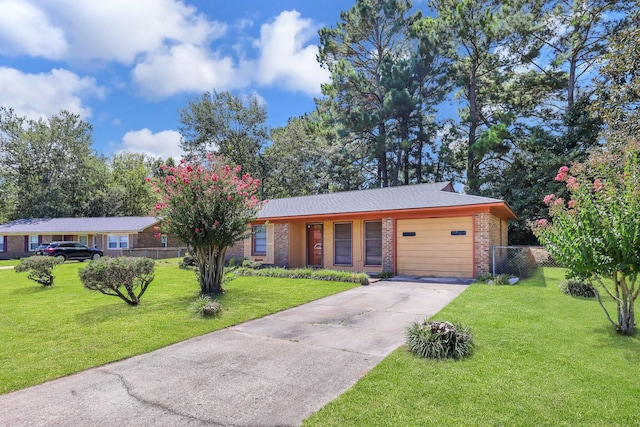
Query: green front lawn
542	359
49	333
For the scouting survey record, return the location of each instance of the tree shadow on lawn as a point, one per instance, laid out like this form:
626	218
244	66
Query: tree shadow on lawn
31	290
630	345
120	309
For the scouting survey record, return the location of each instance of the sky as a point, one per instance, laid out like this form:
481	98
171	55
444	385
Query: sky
129	66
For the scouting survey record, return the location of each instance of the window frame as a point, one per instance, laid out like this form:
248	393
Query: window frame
164	240
3	243
255	230
86	236
368	239
31	246
336	240
119	240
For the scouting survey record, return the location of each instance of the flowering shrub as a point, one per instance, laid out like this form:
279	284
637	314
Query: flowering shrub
208	206
596	235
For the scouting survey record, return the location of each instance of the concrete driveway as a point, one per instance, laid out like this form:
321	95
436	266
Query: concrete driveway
274	371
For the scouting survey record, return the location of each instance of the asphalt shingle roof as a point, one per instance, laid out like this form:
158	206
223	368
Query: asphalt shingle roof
127	224
417	196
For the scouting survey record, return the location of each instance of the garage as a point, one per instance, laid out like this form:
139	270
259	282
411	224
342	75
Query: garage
440	247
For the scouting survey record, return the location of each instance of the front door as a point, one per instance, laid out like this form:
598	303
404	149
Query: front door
314	245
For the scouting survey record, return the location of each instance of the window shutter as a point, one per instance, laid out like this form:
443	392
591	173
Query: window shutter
26	243
270	244
247	247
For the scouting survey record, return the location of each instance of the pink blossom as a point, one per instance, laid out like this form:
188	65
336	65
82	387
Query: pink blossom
542	222
158	206
597	185
572	204
229	198
197	230
156	228
548	198
157	235
558	201
163	167
562	173
572	183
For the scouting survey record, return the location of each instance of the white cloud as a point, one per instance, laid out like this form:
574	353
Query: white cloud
26	29
185	68
120	30
284	58
42	95
163	144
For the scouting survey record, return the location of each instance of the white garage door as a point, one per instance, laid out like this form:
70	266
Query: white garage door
440	247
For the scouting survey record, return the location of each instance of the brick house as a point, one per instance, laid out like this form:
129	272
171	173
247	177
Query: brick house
112	235
417	230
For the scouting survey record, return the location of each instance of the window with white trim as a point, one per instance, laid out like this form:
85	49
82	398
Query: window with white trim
84	240
3	240
342	243
373	243
34	242
118	241
163	240
259	240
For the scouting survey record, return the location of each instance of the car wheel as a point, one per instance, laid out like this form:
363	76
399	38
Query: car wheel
95	256
61	258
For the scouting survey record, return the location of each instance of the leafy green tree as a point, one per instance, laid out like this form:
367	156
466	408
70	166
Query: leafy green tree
482	35
298	160
595	235
208	206
49	165
369	34
129	172
619	85
227	125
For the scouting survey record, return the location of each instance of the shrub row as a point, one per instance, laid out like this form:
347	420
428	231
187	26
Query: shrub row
305	273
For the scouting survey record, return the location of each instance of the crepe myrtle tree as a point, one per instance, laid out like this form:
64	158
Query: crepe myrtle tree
208	206
596	234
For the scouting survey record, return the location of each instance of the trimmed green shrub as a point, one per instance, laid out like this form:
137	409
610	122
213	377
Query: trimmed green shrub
500	280
205	306
40	268
484	278
578	288
247	263
119	277
439	340
385	275
188	262
306	273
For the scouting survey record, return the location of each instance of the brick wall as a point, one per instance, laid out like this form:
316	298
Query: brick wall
147	239
236	251
388	242
482	243
281	245
14	248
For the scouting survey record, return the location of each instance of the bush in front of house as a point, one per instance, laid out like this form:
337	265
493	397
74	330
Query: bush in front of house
439	340
187	262
305	273
40	268
121	277
578	288
205	306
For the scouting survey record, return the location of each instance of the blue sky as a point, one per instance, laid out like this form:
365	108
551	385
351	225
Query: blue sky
129	66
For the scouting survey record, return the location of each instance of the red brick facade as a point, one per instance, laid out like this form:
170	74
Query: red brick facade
388	244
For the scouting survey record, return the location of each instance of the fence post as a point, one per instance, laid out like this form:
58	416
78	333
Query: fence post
493	261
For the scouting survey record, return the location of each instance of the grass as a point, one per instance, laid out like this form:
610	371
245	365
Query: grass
541	358
49	333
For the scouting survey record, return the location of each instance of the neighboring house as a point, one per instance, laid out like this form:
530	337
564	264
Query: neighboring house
111	235
418	230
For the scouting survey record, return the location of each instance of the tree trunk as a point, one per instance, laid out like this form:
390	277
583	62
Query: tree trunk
210	261
472	175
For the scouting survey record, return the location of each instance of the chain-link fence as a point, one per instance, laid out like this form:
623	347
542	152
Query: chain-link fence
154	253
519	261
